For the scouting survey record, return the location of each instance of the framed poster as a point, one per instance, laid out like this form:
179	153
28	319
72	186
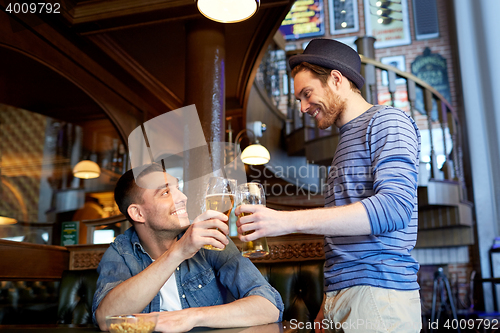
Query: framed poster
388	22
395	61
343	16
305	19
69	233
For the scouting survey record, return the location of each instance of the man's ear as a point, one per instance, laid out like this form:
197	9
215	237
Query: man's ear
136	213
336	78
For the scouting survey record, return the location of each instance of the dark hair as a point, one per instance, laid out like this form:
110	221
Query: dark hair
321	73
127	192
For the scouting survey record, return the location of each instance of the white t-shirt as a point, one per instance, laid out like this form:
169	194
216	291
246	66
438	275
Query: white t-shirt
169	296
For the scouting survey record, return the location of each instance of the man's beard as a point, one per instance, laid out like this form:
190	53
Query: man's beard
161	222
334	106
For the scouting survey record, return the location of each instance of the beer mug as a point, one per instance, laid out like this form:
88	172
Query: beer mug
220	197
252	194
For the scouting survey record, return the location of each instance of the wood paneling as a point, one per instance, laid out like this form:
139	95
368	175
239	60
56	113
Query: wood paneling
24	261
458	236
321	150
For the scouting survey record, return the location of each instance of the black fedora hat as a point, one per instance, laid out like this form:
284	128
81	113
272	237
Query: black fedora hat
331	54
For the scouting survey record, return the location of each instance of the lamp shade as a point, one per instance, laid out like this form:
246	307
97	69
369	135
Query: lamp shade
7	220
255	154
86	169
228	11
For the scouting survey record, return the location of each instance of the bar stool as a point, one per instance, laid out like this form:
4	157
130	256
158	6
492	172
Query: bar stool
442	285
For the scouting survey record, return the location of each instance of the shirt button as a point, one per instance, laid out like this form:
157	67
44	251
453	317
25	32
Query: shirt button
177	268
199	286
183	296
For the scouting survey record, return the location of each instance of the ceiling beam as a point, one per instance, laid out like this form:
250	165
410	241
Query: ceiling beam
128	63
91	17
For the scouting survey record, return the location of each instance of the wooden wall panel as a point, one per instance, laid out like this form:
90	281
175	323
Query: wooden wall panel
24	261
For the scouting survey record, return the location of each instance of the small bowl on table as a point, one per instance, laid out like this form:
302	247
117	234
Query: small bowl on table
138	323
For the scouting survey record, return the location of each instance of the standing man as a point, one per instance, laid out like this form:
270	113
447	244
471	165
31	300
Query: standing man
371	213
158	264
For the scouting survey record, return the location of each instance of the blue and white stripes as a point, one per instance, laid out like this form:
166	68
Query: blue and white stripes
376	163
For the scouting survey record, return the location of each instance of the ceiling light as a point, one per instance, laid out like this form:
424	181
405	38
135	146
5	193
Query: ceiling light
7	220
86	169
228	11
255	154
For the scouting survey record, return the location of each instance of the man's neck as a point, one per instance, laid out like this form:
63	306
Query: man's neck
156	243
356	106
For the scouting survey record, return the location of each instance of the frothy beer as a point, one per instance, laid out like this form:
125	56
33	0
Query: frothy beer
220	202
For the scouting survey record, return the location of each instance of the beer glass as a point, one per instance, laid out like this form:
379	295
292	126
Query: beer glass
252	194
220	197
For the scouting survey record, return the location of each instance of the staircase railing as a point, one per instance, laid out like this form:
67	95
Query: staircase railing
441	151
437	116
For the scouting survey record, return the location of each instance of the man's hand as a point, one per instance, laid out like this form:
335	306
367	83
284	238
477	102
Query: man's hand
208	228
176	321
265	222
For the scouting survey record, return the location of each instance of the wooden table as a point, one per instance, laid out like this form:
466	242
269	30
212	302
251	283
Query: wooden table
283	327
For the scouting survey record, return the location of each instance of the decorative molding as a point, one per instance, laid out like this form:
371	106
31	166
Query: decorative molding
85	256
85	260
284	252
296	247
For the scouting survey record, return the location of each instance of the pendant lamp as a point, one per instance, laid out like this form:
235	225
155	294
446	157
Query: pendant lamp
228	11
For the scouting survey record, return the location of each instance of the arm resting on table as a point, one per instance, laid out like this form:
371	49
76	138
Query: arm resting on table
247	311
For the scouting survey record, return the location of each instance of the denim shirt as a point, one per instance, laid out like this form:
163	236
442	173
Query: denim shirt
208	278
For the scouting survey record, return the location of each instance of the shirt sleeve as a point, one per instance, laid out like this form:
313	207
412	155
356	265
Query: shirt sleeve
112	271
393	141
240	276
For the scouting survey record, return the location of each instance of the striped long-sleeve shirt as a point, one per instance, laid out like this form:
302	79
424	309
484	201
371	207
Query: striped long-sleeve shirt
376	163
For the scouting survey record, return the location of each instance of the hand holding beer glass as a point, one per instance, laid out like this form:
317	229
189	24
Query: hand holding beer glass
220	197
252	194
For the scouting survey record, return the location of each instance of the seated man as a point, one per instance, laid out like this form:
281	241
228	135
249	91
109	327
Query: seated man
159	264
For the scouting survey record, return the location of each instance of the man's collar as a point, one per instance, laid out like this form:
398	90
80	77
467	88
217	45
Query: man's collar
136	242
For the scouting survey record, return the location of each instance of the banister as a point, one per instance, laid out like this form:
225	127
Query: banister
407	75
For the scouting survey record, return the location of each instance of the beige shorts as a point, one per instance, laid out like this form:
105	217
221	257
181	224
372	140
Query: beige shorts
372	309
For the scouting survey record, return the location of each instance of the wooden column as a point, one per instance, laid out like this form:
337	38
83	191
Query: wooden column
366	48
205	87
205	81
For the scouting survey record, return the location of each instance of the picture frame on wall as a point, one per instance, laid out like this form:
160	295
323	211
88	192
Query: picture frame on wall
344	16
388	22
305	19
395	61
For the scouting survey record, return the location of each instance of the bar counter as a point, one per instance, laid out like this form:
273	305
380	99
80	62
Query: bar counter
283	327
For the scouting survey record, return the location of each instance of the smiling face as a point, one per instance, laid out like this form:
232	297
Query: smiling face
317	100
164	205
